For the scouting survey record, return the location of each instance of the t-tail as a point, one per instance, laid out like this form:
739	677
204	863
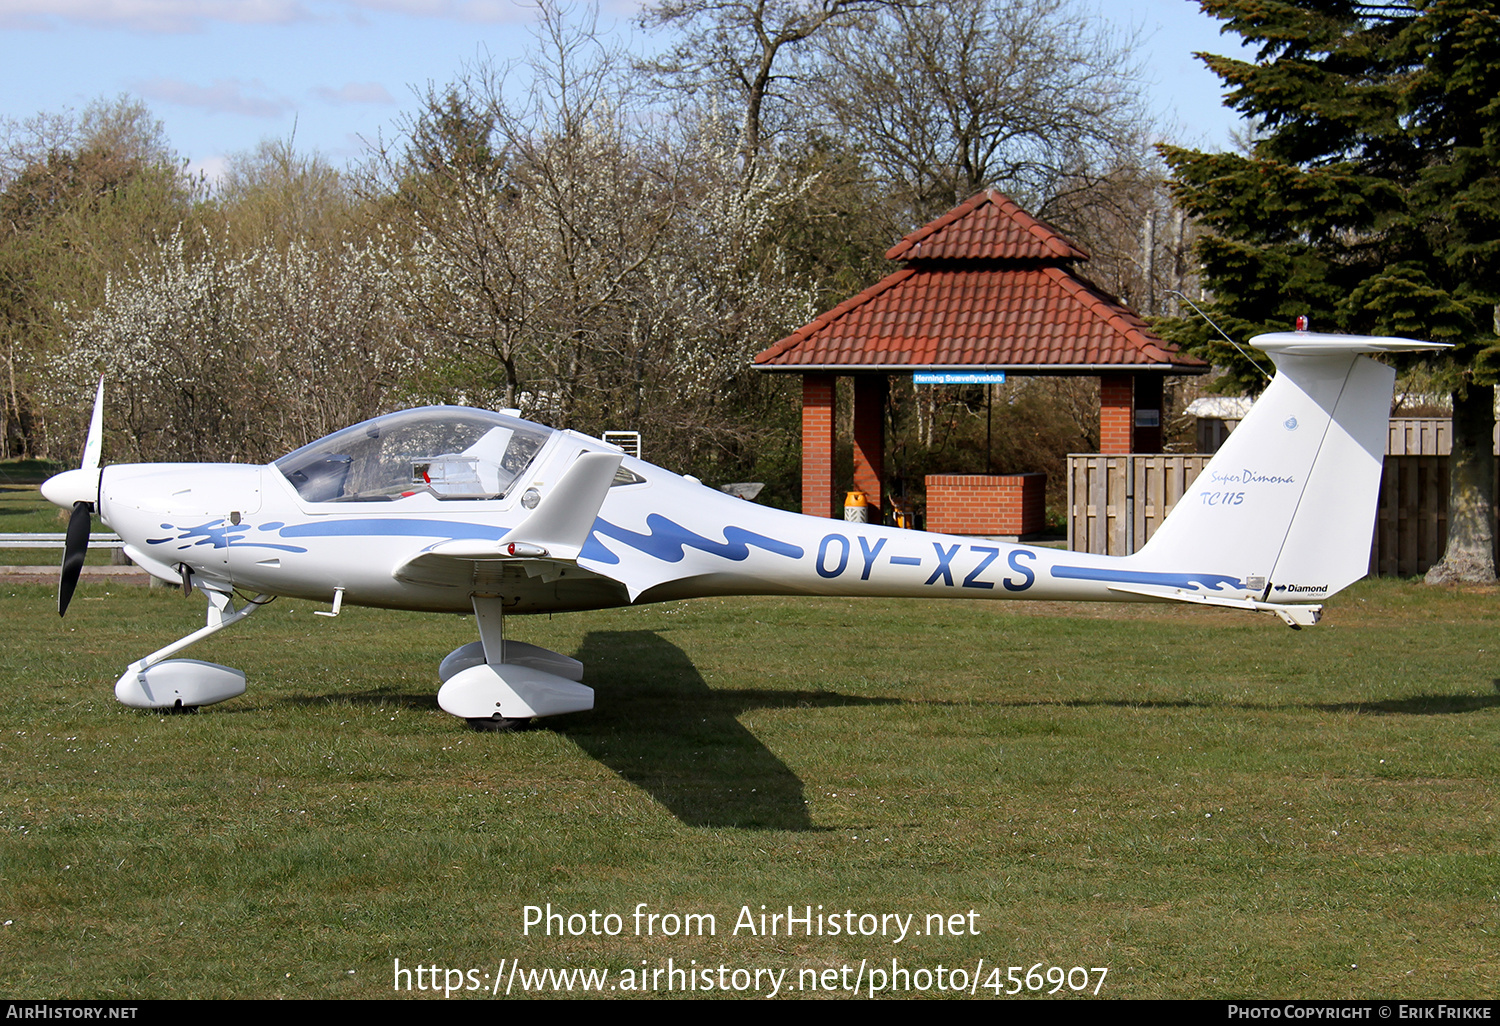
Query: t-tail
1287	505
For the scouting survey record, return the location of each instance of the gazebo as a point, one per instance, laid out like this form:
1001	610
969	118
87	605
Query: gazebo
986	287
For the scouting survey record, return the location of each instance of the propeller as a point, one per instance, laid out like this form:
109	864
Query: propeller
81	488
75	546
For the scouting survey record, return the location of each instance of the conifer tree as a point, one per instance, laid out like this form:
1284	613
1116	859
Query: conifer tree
1367	200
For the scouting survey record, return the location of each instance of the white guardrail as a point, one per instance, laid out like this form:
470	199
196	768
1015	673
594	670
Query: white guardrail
56	540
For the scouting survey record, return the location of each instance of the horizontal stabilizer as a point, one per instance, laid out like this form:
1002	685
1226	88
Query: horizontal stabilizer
1312	343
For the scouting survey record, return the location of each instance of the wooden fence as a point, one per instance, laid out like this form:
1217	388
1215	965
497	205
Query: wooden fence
1411	519
1115	504
1420	436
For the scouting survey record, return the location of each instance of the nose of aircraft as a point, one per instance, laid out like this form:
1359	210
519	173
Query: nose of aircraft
72	486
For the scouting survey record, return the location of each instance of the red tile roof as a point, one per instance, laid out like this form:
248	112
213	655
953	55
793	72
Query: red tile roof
986	285
987	226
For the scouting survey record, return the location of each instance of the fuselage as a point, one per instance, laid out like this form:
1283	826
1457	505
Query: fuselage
657	536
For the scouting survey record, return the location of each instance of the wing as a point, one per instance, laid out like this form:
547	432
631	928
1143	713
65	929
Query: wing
538	556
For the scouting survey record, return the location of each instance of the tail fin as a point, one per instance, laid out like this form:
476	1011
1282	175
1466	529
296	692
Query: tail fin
1288	504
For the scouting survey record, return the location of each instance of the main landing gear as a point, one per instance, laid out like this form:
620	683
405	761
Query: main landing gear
499	685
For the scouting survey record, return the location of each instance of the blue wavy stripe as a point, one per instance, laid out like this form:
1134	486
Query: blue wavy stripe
1209	582
667	541
393	527
219	535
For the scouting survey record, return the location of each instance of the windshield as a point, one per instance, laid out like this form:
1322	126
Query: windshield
448	451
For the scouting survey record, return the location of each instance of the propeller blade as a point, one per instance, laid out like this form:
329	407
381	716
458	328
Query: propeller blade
95	440
74	547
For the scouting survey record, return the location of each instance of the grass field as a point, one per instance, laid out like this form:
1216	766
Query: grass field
24	511
1205	803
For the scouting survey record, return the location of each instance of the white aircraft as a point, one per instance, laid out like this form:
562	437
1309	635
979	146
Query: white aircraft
447	509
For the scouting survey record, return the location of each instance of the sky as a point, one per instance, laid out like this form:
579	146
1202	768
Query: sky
336	75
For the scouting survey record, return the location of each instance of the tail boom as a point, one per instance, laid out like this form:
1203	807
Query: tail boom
1280	519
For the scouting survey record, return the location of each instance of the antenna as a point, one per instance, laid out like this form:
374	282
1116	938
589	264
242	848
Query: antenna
1238	348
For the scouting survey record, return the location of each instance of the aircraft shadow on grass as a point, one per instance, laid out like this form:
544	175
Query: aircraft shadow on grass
1415	705
679	740
665	731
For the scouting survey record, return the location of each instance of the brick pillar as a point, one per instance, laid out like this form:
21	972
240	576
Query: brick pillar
817	444
869	439
1116	413
1148	399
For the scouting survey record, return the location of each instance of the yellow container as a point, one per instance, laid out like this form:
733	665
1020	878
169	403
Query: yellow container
856	508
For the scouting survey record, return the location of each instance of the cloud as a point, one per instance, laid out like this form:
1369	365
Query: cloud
354	93
154	16
177	16
225	96
212	169
484	11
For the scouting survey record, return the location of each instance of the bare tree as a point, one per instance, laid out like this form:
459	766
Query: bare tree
1140	242
745	48
605	269
1030	96
534	196
589	263
472	282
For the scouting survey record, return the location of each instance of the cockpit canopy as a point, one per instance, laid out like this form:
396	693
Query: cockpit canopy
450	452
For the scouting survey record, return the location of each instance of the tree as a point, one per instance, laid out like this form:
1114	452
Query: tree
1366	200
218	353
81	195
586	264
275	194
1030	96
744	48
1454	111
1140	242
532	218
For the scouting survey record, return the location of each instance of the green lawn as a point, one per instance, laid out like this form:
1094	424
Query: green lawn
1205	803
24	511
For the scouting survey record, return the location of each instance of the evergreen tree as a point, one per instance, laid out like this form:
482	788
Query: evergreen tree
1367	200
